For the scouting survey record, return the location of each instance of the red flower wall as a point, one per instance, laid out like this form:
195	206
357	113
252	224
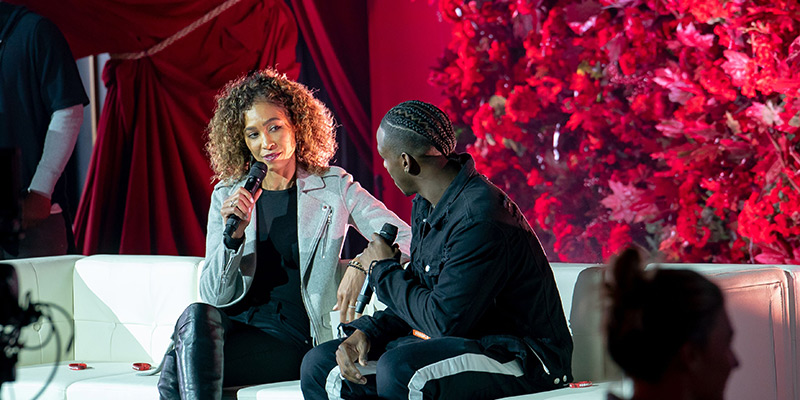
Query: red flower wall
670	123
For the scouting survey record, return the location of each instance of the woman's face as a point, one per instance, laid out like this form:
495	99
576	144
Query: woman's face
716	360
269	135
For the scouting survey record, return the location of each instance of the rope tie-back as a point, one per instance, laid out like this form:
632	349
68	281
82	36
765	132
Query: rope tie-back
177	35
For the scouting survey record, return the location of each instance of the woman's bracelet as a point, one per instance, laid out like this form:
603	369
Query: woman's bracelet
357	265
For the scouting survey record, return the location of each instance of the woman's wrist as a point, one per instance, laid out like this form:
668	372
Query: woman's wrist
232	243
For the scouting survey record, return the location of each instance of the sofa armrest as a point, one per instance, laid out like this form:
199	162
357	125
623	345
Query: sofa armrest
126	306
46	280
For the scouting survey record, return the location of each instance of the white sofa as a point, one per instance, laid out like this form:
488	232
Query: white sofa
123	309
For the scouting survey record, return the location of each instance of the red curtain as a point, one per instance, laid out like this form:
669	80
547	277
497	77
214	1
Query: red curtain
336	35
149	182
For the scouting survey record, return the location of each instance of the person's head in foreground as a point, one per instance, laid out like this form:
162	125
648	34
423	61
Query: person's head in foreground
668	330
272	119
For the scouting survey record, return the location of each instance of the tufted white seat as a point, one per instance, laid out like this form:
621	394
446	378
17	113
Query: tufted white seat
122	308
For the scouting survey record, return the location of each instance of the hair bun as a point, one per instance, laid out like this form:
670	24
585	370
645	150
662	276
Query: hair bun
628	278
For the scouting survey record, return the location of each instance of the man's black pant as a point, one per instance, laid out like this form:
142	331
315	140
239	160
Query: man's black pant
413	368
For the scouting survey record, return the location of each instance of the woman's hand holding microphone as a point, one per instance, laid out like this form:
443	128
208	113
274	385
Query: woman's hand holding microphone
241	204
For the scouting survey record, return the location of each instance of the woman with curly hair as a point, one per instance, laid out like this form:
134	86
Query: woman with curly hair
669	332
269	286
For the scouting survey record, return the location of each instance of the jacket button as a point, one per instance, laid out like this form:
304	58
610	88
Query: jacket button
557	381
427	268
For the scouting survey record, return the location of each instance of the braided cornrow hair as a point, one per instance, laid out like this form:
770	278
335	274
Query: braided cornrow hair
423	119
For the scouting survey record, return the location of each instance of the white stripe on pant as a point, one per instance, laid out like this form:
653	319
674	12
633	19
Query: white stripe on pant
458	364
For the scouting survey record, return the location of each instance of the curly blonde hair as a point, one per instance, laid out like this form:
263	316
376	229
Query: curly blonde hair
312	122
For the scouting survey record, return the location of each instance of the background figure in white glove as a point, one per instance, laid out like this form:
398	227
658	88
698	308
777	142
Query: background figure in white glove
41	111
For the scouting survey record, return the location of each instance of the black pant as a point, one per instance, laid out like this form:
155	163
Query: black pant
409	367
270	352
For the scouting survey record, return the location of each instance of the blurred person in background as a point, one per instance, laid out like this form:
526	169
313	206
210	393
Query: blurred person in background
41	111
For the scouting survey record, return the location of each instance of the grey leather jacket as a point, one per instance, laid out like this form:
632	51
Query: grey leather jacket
327	205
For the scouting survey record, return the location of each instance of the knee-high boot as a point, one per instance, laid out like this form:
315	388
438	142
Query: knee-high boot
199	341
168	388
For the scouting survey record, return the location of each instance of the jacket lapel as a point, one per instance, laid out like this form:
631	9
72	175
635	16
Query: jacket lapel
312	216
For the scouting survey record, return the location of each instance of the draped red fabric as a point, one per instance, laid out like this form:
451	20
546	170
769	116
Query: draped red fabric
336	36
149	181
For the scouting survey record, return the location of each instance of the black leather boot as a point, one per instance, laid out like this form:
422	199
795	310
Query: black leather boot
199	341
168	388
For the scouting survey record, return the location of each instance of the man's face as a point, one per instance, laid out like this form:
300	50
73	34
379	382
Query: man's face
394	165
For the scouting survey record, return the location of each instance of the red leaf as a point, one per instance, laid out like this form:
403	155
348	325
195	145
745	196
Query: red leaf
626	203
765	114
691	37
794	50
701	132
621	3
581	27
627	63
672	78
770	257
736	66
615	46
671	128
774	170
581	12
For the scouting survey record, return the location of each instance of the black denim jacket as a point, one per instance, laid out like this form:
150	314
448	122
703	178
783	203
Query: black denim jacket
477	271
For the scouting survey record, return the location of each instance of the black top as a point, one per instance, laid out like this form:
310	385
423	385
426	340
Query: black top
276	284
477	269
38	76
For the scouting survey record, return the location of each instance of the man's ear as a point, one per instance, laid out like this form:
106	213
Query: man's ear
410	164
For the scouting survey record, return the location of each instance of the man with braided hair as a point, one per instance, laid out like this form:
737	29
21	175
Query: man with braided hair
475	314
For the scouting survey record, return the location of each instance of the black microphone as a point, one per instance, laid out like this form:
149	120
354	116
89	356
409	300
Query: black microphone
389	234
257	173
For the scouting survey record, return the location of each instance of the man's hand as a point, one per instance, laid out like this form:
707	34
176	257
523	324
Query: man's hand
378	250
353	348
346	296
35	209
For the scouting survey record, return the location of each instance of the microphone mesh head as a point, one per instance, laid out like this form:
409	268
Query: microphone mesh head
388	232
258	170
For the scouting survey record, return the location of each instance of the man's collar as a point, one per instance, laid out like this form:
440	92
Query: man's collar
454	189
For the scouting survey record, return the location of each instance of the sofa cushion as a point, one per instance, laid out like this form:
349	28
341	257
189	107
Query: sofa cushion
793	272
31	379
597	391
581	290
291	391
272	391
758	304
126	306
130	385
